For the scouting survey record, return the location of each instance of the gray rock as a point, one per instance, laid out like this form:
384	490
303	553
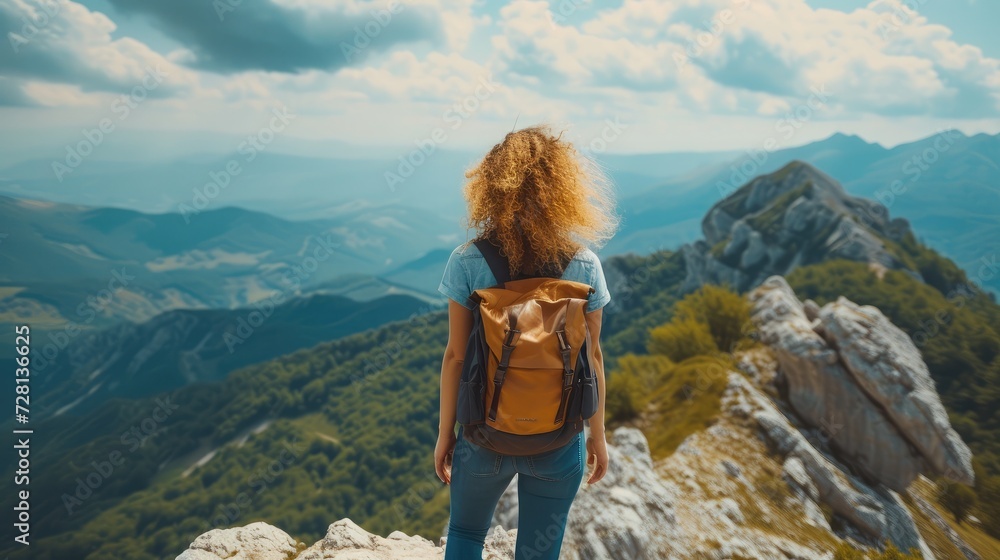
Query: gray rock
739	239
825	395
886	364
256	541
863	385
756	251
766	233
811	309
876	511
731	468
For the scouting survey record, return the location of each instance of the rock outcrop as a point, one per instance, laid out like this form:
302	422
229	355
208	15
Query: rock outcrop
877	512
344	540
859	379
795	216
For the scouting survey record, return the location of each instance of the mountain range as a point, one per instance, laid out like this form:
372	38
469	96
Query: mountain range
346	427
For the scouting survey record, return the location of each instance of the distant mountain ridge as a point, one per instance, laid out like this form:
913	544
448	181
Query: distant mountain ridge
59	257
183	347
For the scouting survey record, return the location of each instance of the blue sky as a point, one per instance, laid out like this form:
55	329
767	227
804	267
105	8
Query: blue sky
632	76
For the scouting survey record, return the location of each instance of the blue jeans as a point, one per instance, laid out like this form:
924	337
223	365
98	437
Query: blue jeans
547	483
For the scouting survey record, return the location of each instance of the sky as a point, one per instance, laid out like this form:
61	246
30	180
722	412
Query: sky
187	76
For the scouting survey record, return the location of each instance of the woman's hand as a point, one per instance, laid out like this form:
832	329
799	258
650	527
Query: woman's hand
597	448
443	454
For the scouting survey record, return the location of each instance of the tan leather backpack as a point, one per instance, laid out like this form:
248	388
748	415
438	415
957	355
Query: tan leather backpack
527	384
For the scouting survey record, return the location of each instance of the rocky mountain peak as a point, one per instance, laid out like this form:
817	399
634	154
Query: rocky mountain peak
795	216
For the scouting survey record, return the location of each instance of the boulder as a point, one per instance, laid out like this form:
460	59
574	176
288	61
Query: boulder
256	541
863	384
875	510
886	364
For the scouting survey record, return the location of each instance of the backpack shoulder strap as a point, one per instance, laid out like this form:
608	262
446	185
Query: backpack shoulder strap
498	263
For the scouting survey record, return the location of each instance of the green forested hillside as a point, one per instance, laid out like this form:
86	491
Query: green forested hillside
186	346
360	414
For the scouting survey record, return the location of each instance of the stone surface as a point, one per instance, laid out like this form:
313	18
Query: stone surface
887	365
256	541
876	511
794	216
843	381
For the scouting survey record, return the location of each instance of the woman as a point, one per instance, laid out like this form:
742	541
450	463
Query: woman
542	203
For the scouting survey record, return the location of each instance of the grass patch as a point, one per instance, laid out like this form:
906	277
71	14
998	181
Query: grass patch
941	545
686	401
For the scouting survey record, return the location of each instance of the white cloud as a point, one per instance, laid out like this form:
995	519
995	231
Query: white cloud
644	61
885	59
63	43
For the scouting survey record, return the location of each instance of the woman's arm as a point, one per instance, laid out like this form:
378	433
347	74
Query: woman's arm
459	329
596	442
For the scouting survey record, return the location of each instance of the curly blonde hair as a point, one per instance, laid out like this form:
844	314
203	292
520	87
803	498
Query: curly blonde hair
540	200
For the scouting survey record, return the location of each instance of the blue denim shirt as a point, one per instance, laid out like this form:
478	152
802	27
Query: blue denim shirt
467	271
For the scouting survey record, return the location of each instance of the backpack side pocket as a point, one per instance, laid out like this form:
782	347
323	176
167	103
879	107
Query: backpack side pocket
471	406
589	395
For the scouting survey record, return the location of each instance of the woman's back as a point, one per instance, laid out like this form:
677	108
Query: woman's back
467	271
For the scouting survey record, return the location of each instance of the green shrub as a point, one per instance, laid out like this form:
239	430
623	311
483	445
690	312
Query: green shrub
620	401
958	498
847	552
632	382
725	313
687	401
681	339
